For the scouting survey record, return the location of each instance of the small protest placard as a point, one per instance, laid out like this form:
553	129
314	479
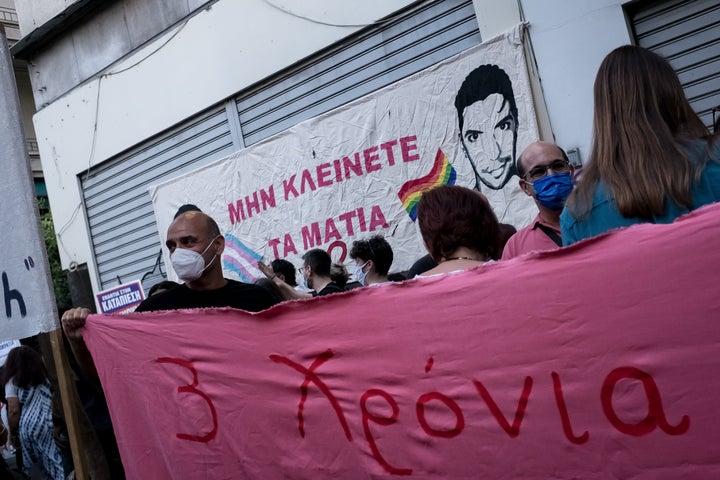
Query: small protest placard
121	299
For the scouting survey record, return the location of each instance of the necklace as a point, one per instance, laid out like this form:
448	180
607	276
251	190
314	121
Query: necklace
460	258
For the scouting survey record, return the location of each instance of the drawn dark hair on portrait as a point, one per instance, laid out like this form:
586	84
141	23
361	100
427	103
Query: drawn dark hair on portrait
495	168
482	82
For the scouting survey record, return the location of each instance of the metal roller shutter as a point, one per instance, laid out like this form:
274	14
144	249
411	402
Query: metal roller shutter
687	33
119	210
378	56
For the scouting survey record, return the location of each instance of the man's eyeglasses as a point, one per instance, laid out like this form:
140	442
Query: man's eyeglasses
539	171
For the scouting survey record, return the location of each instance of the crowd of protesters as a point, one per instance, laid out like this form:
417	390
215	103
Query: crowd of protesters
652	160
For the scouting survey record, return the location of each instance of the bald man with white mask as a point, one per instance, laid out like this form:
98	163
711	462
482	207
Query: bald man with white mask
195	245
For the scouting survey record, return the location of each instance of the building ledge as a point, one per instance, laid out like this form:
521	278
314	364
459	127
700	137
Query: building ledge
56	26
8	16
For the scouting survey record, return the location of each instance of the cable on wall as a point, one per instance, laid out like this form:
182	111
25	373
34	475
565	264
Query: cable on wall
100	78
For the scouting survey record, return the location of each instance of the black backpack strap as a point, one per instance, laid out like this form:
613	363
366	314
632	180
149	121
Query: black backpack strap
551	233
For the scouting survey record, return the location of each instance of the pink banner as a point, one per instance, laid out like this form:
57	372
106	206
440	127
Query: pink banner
595	361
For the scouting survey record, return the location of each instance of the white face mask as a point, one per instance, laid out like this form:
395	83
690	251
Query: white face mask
302	283
359	274
188	264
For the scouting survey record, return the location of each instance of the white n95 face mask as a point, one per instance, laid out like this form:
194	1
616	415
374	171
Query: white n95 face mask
188	264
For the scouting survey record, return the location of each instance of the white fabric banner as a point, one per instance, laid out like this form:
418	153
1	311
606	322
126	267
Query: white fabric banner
26	299
359	170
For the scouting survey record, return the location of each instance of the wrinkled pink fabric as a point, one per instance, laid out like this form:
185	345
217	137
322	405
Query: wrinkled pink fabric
595	361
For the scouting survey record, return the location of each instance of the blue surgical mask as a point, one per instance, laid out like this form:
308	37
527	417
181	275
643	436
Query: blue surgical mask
359	274
552	191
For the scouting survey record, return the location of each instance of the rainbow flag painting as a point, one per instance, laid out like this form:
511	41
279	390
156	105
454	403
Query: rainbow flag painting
240	259
442	173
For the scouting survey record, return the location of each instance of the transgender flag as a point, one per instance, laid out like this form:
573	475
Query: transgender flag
442	173
240	259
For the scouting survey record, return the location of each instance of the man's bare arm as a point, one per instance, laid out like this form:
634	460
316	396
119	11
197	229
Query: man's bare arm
72	322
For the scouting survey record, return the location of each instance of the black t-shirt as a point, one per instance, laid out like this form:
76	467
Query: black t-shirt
234	294
331	287
422	265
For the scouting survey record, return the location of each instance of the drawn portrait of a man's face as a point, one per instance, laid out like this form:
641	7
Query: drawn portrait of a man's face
487	116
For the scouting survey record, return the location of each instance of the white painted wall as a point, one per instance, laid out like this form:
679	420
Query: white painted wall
570	38
495	17
215	54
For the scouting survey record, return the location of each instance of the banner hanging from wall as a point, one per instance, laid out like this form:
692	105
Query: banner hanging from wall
593	361
26	298
359	170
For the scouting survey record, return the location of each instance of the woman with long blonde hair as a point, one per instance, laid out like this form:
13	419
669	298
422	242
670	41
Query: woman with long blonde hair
652	158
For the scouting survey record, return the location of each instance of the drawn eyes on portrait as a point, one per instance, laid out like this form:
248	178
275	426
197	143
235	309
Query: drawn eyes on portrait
472	136
506	124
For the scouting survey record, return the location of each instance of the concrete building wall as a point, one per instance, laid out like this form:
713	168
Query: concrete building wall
27	106
98	39
9	19
35	13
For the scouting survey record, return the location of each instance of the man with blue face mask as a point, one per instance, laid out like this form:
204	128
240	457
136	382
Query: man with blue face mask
546	176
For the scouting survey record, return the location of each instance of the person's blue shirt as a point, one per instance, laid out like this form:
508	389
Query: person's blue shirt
604	214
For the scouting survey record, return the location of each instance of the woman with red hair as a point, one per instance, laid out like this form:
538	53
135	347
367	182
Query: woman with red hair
458	227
